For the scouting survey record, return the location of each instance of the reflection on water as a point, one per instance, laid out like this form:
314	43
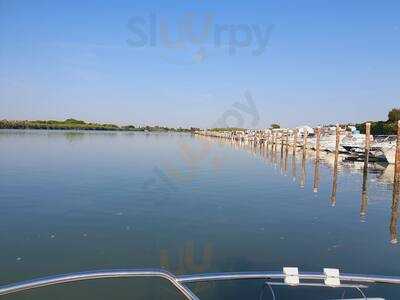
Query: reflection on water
303	169
395	214
385	172
364	194
316	176
95	200
294	173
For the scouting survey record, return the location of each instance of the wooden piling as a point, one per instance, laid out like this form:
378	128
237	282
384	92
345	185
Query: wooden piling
287	143
286	151
294	142
397	158
318	144
337	143
367	145
335	167
364	191
305	135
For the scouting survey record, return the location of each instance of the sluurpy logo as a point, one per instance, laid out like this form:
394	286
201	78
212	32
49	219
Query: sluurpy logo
185	43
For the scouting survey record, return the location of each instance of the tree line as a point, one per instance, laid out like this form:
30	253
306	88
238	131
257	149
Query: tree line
73	124
387	127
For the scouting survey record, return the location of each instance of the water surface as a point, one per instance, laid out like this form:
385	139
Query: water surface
74	201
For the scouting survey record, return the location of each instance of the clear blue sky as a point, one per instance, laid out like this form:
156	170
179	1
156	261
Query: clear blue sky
326	61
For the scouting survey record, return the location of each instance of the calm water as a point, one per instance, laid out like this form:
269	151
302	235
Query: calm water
74	201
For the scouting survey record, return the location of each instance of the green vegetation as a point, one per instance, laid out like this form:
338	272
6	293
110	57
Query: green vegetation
383	127
73	124
275	126
394	115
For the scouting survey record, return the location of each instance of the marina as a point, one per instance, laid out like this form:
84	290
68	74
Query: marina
344	140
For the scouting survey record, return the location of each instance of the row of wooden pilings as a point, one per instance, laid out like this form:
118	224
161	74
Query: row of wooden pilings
273	140
367	149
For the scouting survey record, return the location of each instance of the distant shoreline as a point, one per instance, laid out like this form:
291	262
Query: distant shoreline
73	124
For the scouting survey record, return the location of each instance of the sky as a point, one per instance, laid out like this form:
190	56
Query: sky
189	63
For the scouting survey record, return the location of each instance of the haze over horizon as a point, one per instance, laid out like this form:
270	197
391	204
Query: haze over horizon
302	62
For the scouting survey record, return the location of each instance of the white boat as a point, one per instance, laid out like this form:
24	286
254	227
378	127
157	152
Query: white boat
354	142
390	154
387	146
328	143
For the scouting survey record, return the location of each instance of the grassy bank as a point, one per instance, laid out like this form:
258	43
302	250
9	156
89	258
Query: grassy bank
72	124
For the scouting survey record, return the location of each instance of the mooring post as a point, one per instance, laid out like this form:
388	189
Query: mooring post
335	167
318	144
337	143
286	150
367	145
305	140
287	142
397	158
294	142
364	191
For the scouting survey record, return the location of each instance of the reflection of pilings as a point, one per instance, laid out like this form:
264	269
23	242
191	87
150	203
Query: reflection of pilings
317	157
281	162
303	171
273	154
364	195
294	173
335	167
397	157
364	192
316	176
287	143
395	214
303	161
286	159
